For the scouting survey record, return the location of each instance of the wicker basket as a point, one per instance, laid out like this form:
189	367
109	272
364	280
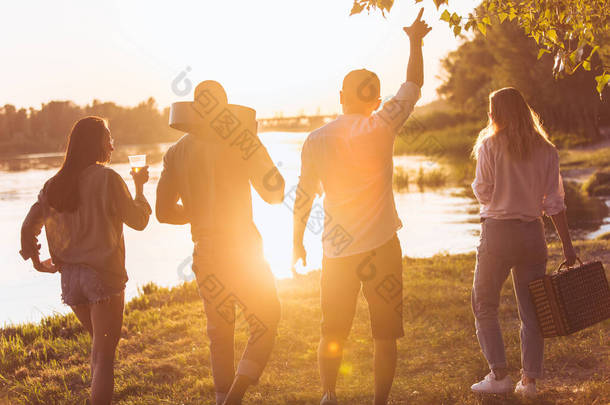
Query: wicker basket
571	299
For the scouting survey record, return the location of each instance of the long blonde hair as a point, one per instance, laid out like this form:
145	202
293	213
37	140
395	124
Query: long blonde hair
514	124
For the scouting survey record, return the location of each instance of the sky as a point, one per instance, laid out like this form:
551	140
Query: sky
277	56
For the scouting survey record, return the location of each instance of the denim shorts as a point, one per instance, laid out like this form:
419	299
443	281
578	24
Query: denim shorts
80	284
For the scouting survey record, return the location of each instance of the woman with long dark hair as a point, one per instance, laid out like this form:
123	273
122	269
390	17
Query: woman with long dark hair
517	181
83	208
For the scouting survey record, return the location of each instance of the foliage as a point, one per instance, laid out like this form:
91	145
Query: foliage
46	129
579	159
433	178
598	184
583	211
508	57
455	140
163	355
571	30
400	179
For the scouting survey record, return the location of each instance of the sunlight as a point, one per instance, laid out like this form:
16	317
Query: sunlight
267	62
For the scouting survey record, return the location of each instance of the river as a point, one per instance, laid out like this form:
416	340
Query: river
434	221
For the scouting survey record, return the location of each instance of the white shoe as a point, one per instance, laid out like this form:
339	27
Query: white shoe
329	398
526	390
489	385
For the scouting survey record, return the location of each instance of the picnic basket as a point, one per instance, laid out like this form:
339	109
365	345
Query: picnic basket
571	298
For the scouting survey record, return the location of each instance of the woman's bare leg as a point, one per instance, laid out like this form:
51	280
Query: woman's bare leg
83	313
107	321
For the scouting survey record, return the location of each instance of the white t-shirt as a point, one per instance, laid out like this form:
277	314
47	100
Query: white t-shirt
350	161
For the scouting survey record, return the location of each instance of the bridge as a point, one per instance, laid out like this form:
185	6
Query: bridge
302	123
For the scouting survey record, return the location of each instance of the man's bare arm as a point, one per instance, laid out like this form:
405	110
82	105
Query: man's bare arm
167	209
416	32
302	209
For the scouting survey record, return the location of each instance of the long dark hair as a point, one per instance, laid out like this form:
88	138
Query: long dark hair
85	147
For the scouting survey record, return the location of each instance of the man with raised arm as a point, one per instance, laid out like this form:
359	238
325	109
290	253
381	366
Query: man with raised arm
350	161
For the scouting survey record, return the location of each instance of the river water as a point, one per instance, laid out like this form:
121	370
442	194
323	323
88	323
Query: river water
434	221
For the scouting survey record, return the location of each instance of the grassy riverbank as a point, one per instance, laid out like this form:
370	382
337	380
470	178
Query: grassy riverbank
163	356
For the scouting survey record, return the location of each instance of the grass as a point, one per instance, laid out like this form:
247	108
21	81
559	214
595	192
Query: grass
581	159
431	178
604	236
419	138
163	355
442	132
400	179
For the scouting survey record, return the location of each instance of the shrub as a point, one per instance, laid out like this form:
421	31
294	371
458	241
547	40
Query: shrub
401	179
583	211
568	140
431	178
598	184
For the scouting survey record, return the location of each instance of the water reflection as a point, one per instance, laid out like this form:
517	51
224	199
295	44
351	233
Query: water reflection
434	221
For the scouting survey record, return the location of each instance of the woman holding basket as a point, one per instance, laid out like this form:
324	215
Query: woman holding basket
517	181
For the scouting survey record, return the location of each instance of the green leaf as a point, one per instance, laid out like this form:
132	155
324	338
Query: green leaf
486	20
595	49
542	51
536	36
482	28
446	16
455	19
512	14
356	8
439	3
602	81
573	55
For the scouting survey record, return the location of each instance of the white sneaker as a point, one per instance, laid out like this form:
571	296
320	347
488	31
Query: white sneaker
489	385
526	390
329	398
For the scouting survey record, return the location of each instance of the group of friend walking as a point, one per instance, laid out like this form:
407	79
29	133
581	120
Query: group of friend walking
207	184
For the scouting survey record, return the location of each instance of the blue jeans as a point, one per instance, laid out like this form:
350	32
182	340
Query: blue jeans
506	245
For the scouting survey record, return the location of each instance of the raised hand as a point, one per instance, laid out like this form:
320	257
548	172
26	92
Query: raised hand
419	29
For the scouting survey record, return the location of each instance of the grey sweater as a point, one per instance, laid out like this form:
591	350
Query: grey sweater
93	234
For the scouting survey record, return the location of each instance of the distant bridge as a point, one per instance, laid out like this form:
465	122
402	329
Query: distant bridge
302	123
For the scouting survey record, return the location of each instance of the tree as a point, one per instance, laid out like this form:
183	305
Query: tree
46	129
571	30
507	57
